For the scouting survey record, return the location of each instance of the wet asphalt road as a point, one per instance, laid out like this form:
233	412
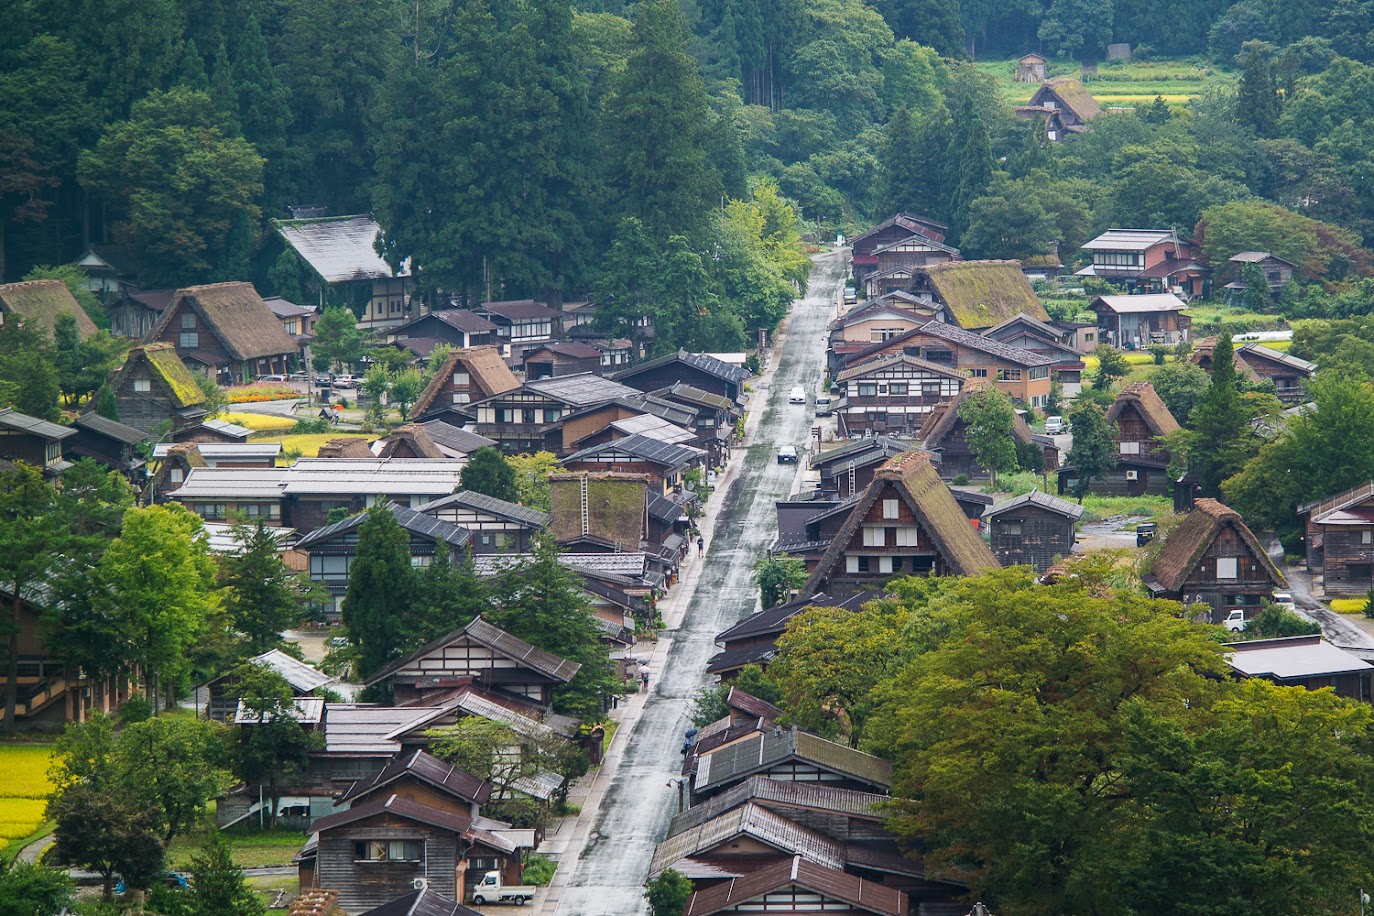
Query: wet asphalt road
608	878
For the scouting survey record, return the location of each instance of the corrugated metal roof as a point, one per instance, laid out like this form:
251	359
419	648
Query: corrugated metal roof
422	903
1293	657
753	821
357	730
112	428
553	666
1149	302
784	794
702	361
425	526
861	895
339	249
305	710
760	752
226	451
581	389
1037	498
232	483
424	766
480	502
642	447
300	675
1128	239
402	807
225	428
21	421
653	427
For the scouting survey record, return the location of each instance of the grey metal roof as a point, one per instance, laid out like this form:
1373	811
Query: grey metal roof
284	309
358	730
302	676
1037	498
480	502
305	710
232	483
453	441
955	334
1279	356
629	565
653	427
893	359
581	389
1149	302
428	768
760	752
702	361
693	395
422	903
426	526
876	448
552	666
112	428
224	538
224	427
374	476
1128	239
402	807
25	423
226	451
779	793
339	249
1293	657
758	823
515	309
668	454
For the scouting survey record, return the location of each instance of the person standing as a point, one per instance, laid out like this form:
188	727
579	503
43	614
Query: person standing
644	676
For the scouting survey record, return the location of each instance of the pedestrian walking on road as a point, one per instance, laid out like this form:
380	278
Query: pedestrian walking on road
644	676
701	546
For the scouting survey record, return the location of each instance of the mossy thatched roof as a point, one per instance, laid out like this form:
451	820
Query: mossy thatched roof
980	294
39	302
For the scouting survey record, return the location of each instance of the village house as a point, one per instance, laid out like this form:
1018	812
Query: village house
523	419
754	640
863	247
1079	336
1213	559
798	885
1148	261
212	431
297	321
456	327
700	370
1309	662
496	526
154	387
223	454
944	434
478	654
1064	104
33	441
36	304
227	331
714	420
1027	333
789	755
656	417
138	311
896	262
562	358
1034	529
113	444
451	441
873	322
224	694
892	395
1139	322
522	325
1276	272
1031	68
342	252
109	272
1339	536
1259	363
423	902
665	463
905	523
1020	374
1142	464
466	377
333	548
977	295
849	468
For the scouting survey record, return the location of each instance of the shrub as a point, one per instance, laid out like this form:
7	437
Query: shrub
538	870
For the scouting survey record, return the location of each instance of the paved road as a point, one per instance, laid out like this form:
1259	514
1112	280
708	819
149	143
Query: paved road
607	877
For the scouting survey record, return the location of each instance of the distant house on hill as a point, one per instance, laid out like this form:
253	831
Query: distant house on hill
36	304
1031	68
1147	261
342	252
1065	105
863	248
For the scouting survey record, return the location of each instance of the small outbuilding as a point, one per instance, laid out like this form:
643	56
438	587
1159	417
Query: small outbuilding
1034	529
1302	661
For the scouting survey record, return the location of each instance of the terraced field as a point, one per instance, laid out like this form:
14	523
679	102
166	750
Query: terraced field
23	790
1123	85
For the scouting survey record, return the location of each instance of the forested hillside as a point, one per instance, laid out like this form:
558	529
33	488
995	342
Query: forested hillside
514	148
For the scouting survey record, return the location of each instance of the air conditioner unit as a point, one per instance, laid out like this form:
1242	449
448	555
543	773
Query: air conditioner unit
421	884
1132	475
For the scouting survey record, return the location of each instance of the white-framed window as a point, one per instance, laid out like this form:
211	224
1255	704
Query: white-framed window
906	536
884	564
868	389
189	340
461	378
875	537
851	564
461	397
1227	568
1130	448
176	475
188	321
890	508
142	385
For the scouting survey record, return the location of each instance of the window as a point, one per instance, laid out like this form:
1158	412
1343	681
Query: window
884	564
1130	448
188	321
388	850
1116	258
868	389
1011	528
890	508
978	373
1359	570
551	414
930	389
176	475
897	389
1364	537
461	397
421	562
851	564
875	537
1226	567
864	563
905	536
1008	375
142	385
1040	372
461	379
189	340
1088	337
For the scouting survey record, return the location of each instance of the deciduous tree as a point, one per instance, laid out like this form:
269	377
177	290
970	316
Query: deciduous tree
272	747
1093	453
991	430
777	577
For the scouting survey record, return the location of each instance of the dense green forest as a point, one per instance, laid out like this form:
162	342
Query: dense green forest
513	147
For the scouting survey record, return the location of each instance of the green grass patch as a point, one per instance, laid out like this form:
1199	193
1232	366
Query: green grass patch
251	848
539	870
1096	508
1131	84
1209	320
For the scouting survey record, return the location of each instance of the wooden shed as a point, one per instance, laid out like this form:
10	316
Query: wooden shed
1035	529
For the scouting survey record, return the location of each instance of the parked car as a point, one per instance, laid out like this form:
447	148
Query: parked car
271	378
851	295
345	381
1235	621
1054	426
824	406
491	889
797	395
1285	601
1145	533
787	454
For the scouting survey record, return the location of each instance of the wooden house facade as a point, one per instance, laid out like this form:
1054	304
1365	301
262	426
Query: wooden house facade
1213	559
562	358
113	444
892	395
522	324
529	417
1276	271
1141	321
154	386
456	327
1064	105
1260	363
1142	467
496	526
466	377
1031	68
138	311
33	441
700	370
905	523
226	330
863	247
1035	530
1148	261
1339	538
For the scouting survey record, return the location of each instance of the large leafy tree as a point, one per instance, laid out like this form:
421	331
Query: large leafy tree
1074	27
29	381
29	534
178	181
174	765
338	341
1180	385
108	833
272	747
777	577
379	593
1093	453
487	472
990	419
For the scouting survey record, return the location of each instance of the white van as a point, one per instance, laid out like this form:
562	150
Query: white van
797	395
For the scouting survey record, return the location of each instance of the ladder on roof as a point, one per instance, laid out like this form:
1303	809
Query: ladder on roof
582	496
851	478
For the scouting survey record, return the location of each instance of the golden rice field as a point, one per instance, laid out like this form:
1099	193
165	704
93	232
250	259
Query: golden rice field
257	421
1347	605
309	444
23	789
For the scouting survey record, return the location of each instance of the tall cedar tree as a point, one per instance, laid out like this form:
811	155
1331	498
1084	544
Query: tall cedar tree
1093	453
540	601
28	373
379	591
29	535
264	595
932	196
264	106
1257	99
448	595
487	472
657	122
990	432
970	149
933	23
1218	443
902	181
218	887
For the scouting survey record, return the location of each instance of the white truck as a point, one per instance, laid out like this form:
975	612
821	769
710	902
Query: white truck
1235	621
491	890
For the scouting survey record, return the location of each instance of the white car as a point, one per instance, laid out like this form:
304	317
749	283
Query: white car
1284	600
1054	426
824	406
345	381
797	395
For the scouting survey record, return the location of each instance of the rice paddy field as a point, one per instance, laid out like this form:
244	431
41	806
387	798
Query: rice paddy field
23	790
257	421
1127	85
308	444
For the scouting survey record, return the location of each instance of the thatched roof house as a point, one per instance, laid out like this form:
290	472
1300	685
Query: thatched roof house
228	329
153	386
37	303
466	376
979	294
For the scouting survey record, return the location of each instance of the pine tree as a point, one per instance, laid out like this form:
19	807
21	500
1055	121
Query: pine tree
379	591
970	151
191	70
933	195
902	183
448	595
1093	453
223	93
263	105
218	887
264	595
1219	440
105	403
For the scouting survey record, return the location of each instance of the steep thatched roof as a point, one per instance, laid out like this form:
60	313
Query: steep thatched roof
236	314
345	447
178	383
39	302
980	294
1073	95
935	508
412	438
1185	547
615	507
942	418
488	373
1142	396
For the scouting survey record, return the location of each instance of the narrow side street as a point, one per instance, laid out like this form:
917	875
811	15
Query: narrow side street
602	870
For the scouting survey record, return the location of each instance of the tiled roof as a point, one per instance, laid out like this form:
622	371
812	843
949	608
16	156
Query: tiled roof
702	361
480	502
425	767
400	807
784	794
734	659
455	442
546	663
1037	498
340	249
755	822
426	526
13	419
519	308
422	903
352	730
581	389
681	391
861	895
